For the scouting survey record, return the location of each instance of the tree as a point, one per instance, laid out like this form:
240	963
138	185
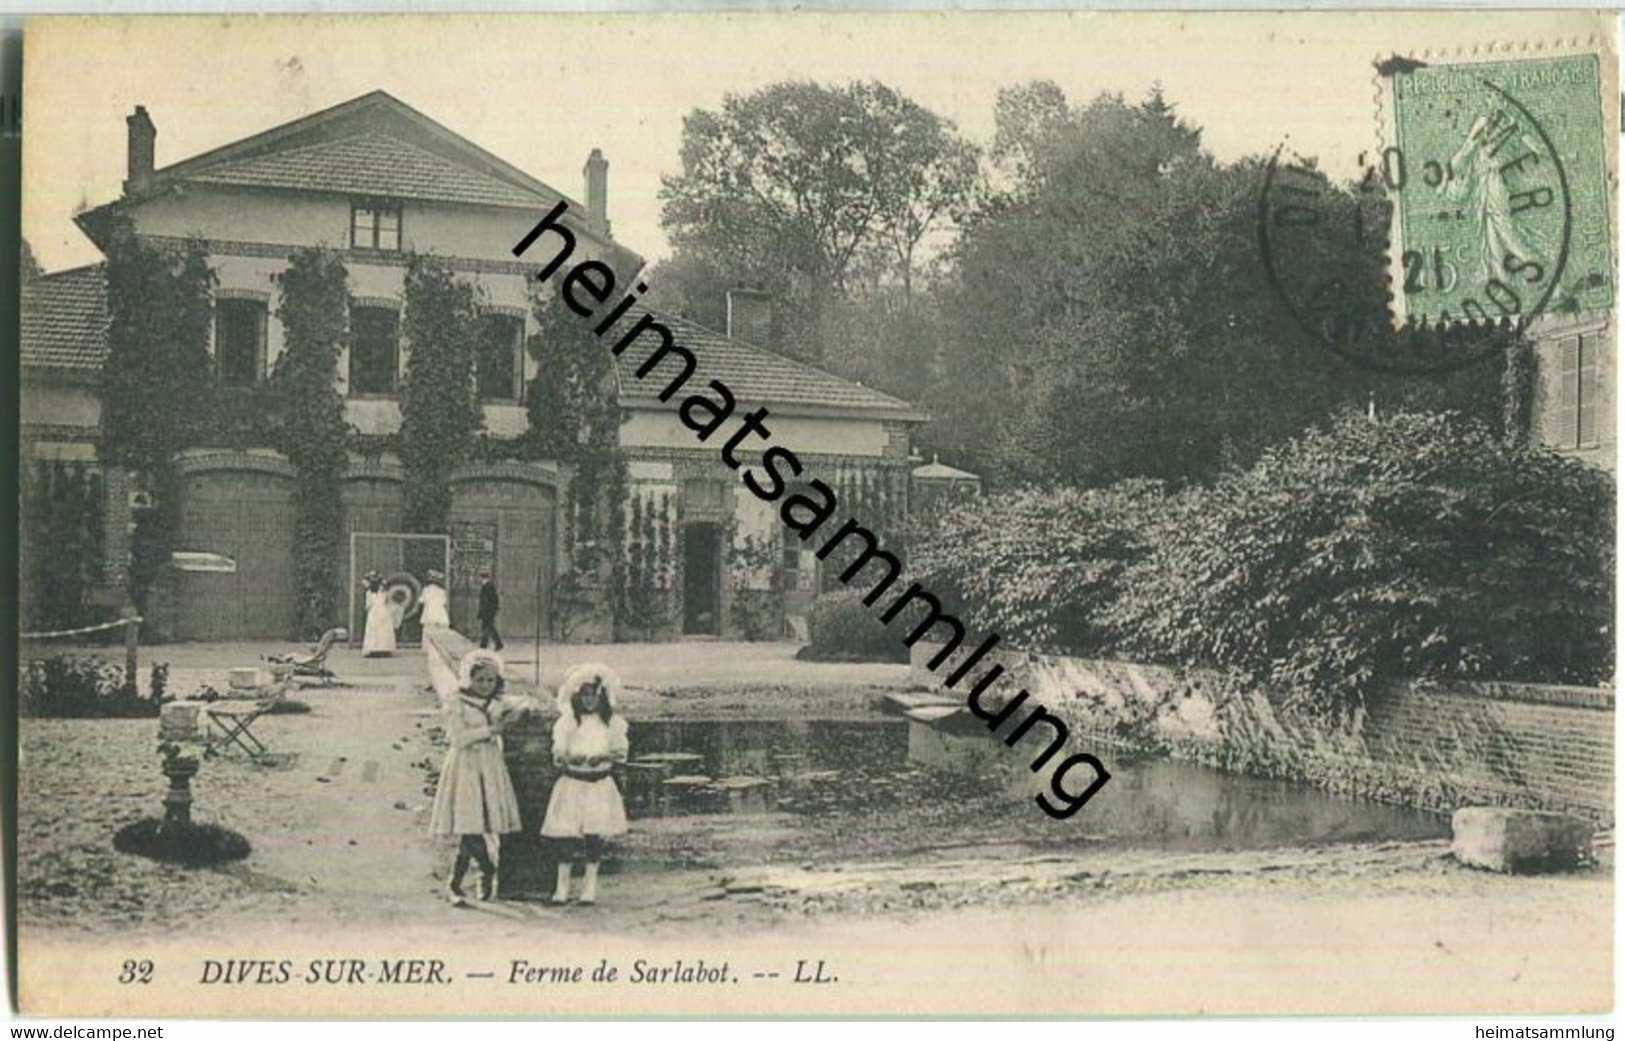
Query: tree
1109	315
28	266
440	408
157	387
310	424
789	188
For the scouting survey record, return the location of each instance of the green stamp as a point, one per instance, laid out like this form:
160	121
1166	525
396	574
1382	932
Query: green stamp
1500	188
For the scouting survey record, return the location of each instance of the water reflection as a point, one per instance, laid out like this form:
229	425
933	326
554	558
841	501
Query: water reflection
889	774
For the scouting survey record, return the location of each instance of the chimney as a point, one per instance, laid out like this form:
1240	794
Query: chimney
596	175
750	316
142	138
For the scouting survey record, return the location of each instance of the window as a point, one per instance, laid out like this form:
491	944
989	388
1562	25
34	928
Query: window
374	350
499	367
239	342
1575	421
375	225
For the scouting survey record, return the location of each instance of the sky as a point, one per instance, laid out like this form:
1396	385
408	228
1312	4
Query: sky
542	91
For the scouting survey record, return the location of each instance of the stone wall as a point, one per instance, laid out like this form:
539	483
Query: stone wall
1435	745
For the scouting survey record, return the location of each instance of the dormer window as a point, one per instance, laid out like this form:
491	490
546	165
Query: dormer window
376	225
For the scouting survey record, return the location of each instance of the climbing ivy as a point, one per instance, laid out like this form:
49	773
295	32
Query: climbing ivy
157	386
440	409
310	426
1518	383
574	416
646	597
61	526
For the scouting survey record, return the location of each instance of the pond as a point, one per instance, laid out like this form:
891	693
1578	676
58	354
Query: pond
730	793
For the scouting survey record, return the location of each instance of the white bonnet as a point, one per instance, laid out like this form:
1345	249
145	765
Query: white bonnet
581	675
465	675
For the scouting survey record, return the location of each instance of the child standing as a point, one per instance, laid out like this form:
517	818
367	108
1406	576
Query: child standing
586	806
475	797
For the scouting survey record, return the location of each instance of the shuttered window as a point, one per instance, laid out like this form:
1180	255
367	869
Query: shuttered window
1579	387
1587	390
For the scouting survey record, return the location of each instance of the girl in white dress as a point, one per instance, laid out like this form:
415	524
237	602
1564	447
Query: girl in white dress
379	640
586	808
475	796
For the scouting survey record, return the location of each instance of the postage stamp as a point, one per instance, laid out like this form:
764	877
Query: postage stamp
1500	189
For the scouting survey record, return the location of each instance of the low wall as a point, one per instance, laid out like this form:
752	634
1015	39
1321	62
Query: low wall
1436	745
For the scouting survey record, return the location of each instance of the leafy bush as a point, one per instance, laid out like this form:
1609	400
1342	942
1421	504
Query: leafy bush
67	687
1378	550
842	628
1038	566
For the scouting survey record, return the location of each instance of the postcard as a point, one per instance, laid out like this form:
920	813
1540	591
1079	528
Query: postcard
813	514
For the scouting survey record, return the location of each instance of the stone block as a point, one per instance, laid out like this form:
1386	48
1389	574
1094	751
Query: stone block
1519	842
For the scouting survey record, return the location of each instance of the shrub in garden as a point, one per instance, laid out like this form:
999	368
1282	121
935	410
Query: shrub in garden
1038	566
1377	550
64	686
842	628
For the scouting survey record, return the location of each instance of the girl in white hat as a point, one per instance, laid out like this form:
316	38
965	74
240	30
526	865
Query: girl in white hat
475	797
588	740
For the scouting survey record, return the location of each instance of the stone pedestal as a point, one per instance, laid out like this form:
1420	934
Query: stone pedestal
1519	842
180	769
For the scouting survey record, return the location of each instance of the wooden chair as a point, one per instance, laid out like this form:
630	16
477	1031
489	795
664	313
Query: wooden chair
314	664
235	719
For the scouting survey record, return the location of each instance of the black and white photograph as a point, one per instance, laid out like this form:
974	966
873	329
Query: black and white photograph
919	514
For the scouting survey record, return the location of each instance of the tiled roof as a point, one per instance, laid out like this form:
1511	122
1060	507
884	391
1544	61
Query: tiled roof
64	326
754	374
371	164
64	320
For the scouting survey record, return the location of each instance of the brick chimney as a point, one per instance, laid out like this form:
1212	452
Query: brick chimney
142	138
596	176
750	316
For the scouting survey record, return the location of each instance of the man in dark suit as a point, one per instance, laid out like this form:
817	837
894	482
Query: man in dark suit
490	604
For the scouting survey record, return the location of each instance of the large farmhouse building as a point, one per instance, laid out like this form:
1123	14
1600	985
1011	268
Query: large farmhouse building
378	182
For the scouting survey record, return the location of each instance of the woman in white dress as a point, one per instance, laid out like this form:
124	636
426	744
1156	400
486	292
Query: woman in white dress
432	601
379	641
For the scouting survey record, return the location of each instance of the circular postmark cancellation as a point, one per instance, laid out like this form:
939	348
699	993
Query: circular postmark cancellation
1488	209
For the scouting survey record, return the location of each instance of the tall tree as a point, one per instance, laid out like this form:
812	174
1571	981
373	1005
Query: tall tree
440	408
790	187
1111	317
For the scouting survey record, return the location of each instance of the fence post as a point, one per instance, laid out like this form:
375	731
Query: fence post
131	629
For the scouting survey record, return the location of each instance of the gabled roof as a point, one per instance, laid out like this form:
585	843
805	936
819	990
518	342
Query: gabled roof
64	321
373	164
756	375
371	145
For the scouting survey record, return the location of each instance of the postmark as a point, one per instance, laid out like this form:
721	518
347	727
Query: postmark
1483	209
